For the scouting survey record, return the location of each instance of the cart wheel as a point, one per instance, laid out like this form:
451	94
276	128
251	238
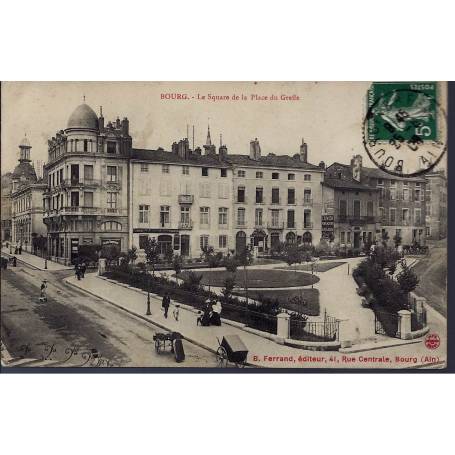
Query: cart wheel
221	357
157	346
240	364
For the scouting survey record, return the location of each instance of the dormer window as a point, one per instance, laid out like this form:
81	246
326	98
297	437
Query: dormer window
111	147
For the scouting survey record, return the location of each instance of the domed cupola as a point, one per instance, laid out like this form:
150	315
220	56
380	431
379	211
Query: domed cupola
83	117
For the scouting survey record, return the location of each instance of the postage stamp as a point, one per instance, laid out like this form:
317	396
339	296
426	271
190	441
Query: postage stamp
405	127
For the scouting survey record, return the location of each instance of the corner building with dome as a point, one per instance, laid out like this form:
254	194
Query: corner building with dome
86	199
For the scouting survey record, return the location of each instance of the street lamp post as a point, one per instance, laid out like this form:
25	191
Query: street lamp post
148	312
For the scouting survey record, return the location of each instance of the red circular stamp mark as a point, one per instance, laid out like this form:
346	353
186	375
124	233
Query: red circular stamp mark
432	341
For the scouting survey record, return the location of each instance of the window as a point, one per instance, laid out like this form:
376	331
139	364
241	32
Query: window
275	175
185	219
381	214
240	173
204	216
205	172
204	241
393	195
405	194
380	182
241	216
370	208
417	184
417	194
275	195
348	237
406	184
342	237
111	173
111	147
185	170
165	169
223	216
307	196
291	196
110	226
307	177
405	216
259	195
393	183
307	223
291	219
143	240
223	191
259	175
222	241
427	231
275	218
85	145
392	216
144	214
343	208
417	216
223	172
88	199
112	201
258	217
241	194
164	215
291	176
204	189
144	168
88	172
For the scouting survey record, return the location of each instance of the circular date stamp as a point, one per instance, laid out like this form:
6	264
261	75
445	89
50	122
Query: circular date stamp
405	128
432	341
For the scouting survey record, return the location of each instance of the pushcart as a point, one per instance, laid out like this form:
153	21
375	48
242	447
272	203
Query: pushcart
171	341
231	349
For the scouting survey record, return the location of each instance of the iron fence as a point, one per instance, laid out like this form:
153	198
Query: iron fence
327	330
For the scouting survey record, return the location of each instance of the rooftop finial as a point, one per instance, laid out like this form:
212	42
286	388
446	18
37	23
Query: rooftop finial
209	139
221	139
101	111
83	97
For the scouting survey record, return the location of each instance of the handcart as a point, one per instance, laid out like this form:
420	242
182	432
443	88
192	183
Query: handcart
231	349
171	341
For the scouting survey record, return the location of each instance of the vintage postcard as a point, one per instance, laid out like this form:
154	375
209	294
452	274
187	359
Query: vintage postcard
224	225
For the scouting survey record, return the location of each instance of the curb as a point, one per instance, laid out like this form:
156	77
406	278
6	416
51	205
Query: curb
145	318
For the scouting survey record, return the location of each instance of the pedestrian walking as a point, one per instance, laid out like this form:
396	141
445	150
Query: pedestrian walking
20	249
165	303
43	296
83	269
176	312
77	270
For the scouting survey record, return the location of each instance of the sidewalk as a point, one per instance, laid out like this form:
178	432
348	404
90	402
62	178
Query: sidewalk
261	350
35	261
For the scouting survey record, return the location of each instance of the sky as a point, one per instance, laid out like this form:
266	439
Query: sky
328	115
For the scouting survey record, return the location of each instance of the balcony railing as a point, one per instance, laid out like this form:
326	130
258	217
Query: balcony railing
308	225
185	198
79	182
240	224
258	225
241	201
79	210
356	220
307	201
276	201
186	225
275	225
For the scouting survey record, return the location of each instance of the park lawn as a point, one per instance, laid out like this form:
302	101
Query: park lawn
257	278
307	267
432	273
311	297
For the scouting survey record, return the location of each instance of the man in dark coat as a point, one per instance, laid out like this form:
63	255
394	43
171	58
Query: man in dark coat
165	303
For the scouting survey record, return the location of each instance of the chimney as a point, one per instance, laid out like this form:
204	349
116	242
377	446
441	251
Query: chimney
183	148
223	151
117	123
175	148
322	165
303	152
125	126
255	150
101	120
198	151
356	167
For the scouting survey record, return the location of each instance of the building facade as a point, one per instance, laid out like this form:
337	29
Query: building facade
86	200
6	209
277	198
26	200
436	205
350	208
182	198
401	201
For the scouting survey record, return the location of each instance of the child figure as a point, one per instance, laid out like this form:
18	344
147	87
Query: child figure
176	312
43	296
